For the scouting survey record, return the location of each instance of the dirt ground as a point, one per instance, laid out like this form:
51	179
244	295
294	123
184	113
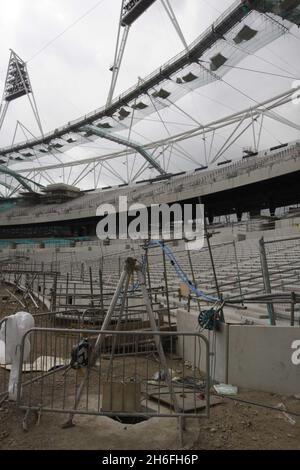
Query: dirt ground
232	424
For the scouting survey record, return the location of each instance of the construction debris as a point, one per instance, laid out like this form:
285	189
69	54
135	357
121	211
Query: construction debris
226	389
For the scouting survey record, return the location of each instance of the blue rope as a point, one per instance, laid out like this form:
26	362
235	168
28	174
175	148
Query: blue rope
181	274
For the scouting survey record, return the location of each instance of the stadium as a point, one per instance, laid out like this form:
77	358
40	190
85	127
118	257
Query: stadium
137	331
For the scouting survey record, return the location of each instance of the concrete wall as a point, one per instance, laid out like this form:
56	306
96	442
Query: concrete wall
260	357
254	357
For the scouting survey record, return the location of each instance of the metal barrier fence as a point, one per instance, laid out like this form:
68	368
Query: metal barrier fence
69	319
91	318
128	377
281	274
43	320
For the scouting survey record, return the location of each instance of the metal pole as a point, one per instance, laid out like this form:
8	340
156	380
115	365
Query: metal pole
193	276
160	350
293	301
3	113
91	287
67	290
101	290
208	235
54	293
167	289
170	12
213	264
123	303
99	340
159	347
266	279
237	270
148	275
44	287
115	64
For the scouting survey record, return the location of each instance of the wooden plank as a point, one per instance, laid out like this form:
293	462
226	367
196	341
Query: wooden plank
188	400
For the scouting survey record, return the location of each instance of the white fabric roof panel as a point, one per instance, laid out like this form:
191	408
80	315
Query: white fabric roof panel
244	38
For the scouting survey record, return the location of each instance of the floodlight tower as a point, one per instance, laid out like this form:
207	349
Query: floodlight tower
17	84
131	10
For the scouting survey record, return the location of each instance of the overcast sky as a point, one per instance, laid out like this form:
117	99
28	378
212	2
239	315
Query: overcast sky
71	76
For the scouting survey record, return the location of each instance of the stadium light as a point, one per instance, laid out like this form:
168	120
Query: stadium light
133	9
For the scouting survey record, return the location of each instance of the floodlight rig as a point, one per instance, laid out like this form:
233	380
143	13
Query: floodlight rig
131	10
17	84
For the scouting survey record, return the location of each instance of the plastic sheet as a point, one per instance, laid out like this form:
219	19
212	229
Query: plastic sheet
2	352
226	389
15	328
